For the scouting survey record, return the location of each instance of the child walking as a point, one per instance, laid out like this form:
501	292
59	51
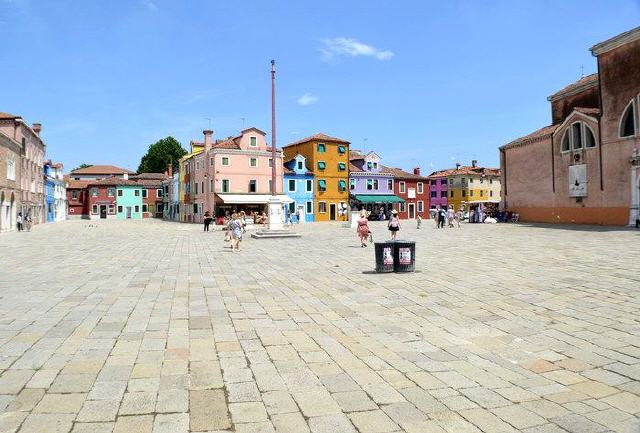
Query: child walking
394	224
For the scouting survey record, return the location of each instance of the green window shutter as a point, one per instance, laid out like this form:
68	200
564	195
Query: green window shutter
322	165
342	185
322	185
342	166
342	149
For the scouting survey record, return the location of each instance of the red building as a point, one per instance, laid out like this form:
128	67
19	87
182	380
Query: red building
152	193
414	189
102	198
77	199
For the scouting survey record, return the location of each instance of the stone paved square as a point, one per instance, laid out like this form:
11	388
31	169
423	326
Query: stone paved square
152	326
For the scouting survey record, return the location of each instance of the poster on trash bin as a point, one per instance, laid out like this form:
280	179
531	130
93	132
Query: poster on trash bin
404	256
387	257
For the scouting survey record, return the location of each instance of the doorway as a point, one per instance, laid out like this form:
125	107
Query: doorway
128	212
332	212
103	211
412	211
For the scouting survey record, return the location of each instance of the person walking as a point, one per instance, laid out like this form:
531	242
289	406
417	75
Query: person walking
418	221
451	215
19	221
436	216
27	222
363	229
442	216
394	224
236	232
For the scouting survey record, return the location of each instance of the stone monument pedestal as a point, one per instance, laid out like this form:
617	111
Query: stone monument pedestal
276	224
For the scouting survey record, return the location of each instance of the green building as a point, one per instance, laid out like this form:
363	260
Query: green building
128	200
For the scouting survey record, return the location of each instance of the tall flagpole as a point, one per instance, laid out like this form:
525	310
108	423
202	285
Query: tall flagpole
274	186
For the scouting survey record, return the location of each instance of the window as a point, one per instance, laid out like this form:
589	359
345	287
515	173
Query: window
119	209
211	185
443	194
211	162
402	186
202	186
225	161
322	185
136	209
342	166
490	193
375	184
195	208
433	182
342	150
144	193
577	137
443	181
94	192
253	185
322	207
94	209
471	193
434	194
159	192
369	165
309	185
470	180
111	192
490	181
74	195
451	195
300	166
270	186
270	162
309	207
352	184
481	193
253	141
369	184
292	185
225	185
420	206
145	208
321	165
342	185
401	206
253	162
136	193
321	148
390	184
464	193
420	188
628	120
11	169
195	188
292	207
112	209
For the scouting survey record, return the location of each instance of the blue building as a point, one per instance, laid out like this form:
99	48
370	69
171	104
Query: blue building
55	198
49	195
298	185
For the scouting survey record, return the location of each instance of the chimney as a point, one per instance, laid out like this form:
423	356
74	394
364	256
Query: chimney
474	163
37	127
207	139
125	176
416	171
170	170
457	166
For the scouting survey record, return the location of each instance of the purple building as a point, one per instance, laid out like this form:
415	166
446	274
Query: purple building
370	183
438	188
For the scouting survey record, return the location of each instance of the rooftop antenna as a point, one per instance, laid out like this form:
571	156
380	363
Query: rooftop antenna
243	120
581	71
209	119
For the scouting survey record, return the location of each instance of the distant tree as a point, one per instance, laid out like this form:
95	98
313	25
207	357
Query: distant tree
160	154
82	166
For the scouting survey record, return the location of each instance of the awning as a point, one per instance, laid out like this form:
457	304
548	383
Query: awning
251	198
378	198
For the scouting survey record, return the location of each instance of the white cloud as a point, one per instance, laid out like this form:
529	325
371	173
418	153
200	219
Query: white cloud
149	4
349	47
307	99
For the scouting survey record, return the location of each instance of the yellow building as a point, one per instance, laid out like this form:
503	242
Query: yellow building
186	170
328	158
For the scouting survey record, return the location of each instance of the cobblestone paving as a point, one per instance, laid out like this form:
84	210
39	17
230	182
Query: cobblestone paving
150	326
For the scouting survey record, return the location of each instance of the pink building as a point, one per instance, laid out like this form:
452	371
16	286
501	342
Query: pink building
233	174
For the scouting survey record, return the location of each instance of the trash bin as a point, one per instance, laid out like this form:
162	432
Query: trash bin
384	256
404	256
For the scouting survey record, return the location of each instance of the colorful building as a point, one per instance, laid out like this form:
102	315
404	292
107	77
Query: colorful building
233	174
188	213
77	198
438	189
469	187
97	172
55	192
413	188
583	168
299	186
328	159
128	199
101	198
371	185
152	193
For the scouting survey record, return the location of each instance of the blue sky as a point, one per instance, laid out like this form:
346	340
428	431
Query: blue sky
421	82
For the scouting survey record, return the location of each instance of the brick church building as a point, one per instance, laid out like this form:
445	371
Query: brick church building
583	168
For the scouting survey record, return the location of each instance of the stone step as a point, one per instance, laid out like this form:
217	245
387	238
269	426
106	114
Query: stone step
274	234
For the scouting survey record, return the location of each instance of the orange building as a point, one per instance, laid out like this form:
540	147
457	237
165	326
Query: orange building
328	158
